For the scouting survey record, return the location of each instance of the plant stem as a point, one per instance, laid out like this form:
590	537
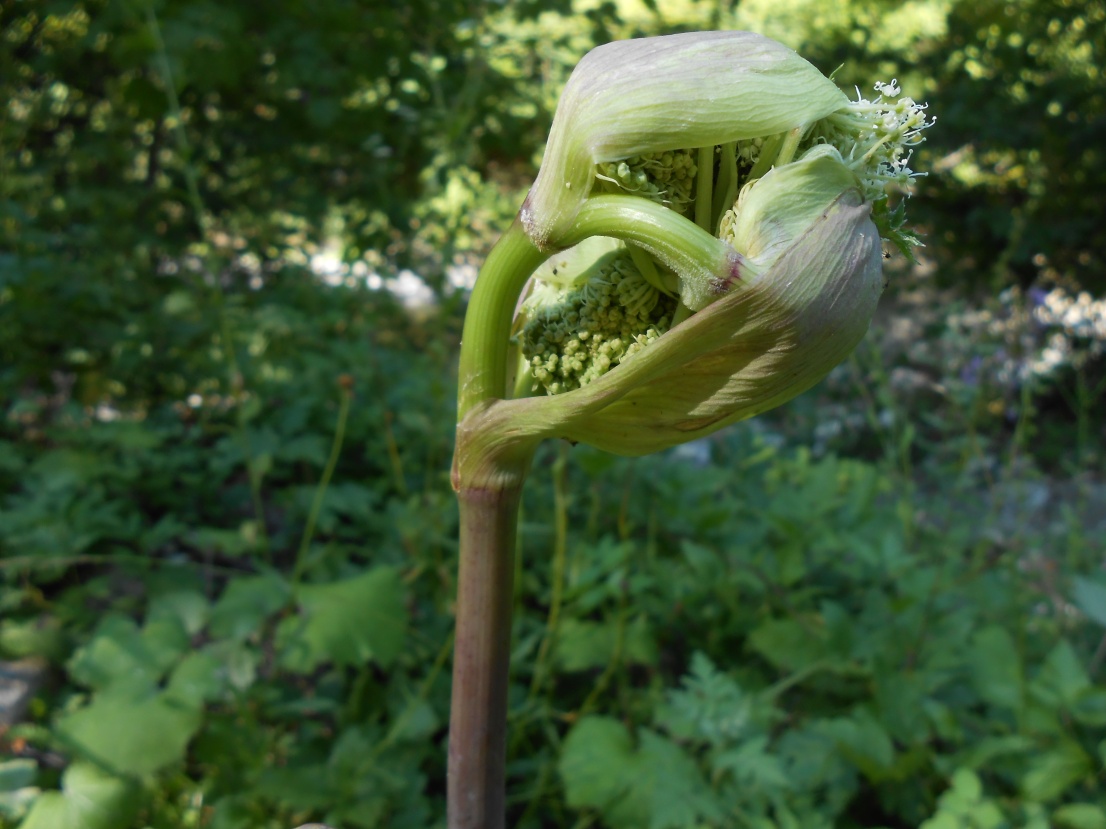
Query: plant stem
676	242
490	461
481	657
483	365
324	482
560	545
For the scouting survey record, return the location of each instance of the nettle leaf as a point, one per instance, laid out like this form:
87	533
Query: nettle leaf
346	622
654	784
996	668
90	798
132	731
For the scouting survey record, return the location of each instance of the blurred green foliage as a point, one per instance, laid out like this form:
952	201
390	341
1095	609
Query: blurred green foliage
226	525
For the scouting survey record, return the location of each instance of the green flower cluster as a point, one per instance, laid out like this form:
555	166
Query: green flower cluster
580	333
875	138
665	178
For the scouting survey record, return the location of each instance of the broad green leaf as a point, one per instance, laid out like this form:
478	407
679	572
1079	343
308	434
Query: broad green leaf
671	784
302	787
17	788
1056	771
996	668
863	742
964	806
981	753
583	645
166	639
90	798
120	655
1090	597
594	765
32	637
234	543
901	699
17	774
188	607
1079	816
237	661
654	785
232	812
415	721
132	731
1090	707
346	622
246	603
789	644
1062	679
198	678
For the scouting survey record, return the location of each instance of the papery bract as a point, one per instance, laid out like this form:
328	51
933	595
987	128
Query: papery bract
696	89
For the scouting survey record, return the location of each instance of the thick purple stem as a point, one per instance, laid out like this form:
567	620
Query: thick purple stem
481	658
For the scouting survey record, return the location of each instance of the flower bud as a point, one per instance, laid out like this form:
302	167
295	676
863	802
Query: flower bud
634	99
816	280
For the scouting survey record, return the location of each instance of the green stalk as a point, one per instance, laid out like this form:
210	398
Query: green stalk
725	194
677	243
704	195
483	366
324	482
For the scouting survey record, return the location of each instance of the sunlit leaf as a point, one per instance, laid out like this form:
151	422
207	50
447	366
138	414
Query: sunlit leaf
90	798
347	622
132	731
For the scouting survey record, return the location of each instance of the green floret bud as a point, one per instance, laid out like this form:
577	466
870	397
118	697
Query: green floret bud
665	178
575	335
